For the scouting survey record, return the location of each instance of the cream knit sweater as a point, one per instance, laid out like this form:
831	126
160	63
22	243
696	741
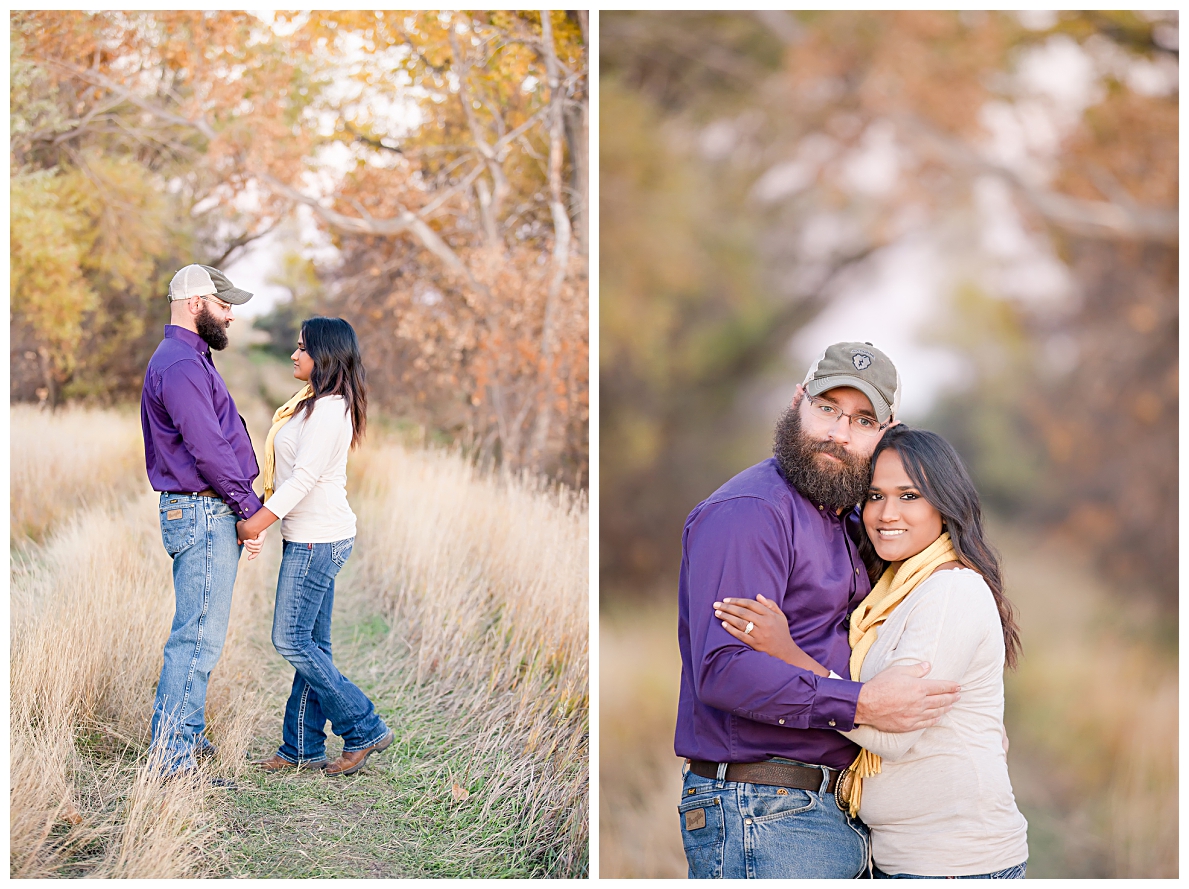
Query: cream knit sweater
311	475
943	803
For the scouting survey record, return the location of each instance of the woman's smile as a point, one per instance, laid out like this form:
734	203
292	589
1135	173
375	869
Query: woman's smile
899	521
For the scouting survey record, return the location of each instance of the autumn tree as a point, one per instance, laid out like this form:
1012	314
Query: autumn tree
455	145
130	135
765	125
461	224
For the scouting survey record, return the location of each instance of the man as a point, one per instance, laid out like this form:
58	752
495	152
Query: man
762	737
200	458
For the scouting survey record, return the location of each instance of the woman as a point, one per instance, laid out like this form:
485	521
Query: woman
938	801
305	477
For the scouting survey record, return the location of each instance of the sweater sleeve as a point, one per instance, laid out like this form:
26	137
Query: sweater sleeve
944	630
319	444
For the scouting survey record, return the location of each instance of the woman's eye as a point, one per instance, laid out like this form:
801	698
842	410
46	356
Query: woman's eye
910	496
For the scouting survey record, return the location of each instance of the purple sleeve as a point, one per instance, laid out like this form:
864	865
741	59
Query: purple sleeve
740	547
186	394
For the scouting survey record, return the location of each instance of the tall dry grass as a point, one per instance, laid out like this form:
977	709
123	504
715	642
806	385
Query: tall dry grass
483	580
65	460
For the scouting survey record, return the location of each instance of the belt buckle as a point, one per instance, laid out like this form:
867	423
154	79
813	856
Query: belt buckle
842	788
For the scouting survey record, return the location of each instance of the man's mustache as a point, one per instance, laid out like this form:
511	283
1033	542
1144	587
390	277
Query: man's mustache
834	449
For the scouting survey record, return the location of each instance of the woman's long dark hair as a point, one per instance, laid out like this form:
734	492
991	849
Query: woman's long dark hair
939	474
338	368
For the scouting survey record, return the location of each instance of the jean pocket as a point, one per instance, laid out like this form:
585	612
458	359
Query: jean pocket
179	526
703	834
340	550
765	803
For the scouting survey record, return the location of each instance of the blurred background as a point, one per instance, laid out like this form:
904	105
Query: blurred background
421	174
990	198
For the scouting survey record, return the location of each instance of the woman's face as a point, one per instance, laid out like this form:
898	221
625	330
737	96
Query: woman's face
899	520
303	364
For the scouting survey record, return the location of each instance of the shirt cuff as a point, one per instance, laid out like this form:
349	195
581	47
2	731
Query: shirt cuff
834	704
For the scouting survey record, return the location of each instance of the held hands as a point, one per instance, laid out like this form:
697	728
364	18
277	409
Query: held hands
252	544
898	699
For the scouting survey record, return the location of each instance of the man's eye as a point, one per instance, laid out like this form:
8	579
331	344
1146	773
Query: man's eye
825	408
865	423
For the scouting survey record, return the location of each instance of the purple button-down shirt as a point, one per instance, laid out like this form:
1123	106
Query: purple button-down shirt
194	438
758	534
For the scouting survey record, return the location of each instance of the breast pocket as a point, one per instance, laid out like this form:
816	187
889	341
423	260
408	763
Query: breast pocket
704	836
179	526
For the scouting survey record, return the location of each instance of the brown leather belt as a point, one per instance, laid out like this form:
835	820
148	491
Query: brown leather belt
209	492
776	774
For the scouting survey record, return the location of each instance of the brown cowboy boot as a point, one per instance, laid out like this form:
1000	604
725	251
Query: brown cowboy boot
350	763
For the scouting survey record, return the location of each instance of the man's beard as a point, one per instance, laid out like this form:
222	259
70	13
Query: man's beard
211	329
837	486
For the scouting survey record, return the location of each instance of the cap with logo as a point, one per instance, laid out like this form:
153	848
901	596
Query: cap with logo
860	366
202	280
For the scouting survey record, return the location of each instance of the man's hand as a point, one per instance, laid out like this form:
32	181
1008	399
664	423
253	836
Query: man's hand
252	544
899	700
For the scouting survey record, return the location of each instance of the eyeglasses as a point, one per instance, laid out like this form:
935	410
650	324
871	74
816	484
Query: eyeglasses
830	413
226	306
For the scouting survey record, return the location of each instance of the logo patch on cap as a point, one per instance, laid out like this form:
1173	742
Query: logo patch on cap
862	360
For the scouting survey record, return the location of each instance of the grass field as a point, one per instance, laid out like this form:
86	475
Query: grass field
462	613
1092	716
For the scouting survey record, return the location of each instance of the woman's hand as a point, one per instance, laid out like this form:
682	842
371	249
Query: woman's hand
769	630
252	544
251	531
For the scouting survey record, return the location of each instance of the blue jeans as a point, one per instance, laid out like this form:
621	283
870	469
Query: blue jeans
301	634
199	535
732	830
1008	873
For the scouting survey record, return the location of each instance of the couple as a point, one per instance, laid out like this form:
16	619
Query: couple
200	458
831	755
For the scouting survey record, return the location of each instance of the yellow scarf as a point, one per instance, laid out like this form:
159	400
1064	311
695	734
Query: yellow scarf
279	419
892	589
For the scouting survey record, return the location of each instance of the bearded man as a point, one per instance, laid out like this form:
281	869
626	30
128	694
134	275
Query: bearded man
199	456
761	737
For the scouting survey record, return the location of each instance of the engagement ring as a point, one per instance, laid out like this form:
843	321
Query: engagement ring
750	626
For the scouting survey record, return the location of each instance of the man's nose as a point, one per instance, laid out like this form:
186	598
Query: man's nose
840	430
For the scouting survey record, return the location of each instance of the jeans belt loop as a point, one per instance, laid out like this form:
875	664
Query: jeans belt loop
721	777
685	769
825	780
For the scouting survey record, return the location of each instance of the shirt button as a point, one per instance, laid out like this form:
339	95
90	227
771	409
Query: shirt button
831	723
856	571
781	721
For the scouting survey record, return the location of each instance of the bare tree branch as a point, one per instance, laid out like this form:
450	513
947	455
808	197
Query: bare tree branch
561	228
1090	219
405	221
92	76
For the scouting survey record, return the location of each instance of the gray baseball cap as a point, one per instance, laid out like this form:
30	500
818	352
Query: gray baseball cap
202	280
860	366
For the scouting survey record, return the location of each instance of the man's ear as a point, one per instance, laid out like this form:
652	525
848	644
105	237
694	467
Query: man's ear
798	395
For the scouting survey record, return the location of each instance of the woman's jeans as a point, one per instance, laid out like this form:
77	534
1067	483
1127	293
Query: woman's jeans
301	634
1008	873
734	830
199	535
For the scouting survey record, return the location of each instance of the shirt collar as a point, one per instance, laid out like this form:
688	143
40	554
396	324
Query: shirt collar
189	337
